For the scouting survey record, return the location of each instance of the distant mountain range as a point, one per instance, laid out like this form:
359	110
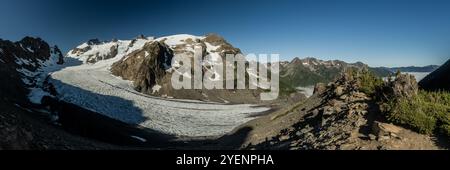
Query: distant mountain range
428	68
310	71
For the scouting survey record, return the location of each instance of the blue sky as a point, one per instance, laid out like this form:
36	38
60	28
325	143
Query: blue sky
376	32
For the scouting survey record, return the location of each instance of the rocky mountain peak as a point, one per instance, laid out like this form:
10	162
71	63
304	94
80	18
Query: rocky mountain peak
309	71
23	61
215	39
296	60
145	67
94	41
141	36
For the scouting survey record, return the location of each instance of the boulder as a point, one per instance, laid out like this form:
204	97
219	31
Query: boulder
145	67
385	130
319	88
405	85
339	90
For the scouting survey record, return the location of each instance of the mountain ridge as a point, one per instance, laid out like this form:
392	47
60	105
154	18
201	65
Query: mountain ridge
438	79
310	71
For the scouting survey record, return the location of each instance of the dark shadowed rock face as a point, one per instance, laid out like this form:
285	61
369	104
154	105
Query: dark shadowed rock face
437	80
19	128
36	46
20	59
145	67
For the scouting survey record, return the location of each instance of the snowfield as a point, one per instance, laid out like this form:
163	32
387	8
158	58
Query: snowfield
419	75
93	87
307	91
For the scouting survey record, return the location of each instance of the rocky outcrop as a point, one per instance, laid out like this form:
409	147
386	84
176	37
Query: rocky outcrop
337	122
224	46
19	63
319	88
385	131
404	85
338	117
145	67
93	58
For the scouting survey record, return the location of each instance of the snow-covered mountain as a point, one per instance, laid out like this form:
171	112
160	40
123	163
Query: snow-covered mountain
146	62
128	80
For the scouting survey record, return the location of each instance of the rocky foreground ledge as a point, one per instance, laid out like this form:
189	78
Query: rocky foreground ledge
341	115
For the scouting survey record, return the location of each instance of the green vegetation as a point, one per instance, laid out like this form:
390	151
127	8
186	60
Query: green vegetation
286	89
302	76
426	112
368	82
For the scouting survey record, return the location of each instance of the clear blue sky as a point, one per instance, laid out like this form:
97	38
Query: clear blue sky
380	33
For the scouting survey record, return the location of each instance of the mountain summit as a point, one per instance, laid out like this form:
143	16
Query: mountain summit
147	63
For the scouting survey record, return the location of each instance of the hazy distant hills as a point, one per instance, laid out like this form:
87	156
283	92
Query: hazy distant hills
428	68
385	71
437	80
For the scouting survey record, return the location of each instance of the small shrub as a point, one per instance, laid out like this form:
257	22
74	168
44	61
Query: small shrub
426	112
369	82
409	113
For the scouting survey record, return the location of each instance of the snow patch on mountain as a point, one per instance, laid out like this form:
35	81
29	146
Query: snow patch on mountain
37	78
179	39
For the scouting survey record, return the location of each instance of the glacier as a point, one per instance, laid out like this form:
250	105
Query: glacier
93	87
